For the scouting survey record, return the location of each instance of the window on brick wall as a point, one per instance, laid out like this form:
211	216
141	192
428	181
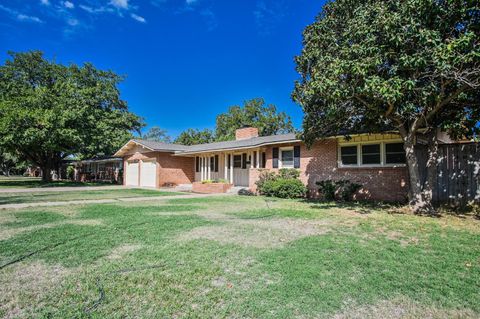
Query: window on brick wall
371	154
349	155
286	157
394	153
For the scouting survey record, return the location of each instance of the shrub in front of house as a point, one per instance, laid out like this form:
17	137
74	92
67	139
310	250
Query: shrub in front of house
344	189
288	188
284	184
327	188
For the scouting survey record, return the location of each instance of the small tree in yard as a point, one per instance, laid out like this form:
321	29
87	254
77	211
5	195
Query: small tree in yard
412	65
49	111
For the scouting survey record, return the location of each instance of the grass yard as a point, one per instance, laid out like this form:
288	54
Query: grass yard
236	257
53	196
35	182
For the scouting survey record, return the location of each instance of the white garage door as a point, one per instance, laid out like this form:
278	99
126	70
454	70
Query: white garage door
148	174
132	174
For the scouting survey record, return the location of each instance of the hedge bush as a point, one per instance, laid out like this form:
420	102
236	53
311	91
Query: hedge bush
344	188
285	184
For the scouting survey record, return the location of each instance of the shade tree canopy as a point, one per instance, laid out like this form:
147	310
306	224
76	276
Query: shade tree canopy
157	134
195	136
253	113
50	110
409	65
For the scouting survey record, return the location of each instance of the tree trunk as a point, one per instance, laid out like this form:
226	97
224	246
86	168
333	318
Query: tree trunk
420	193
46	173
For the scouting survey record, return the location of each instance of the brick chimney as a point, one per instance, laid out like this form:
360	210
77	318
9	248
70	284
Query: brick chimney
246	132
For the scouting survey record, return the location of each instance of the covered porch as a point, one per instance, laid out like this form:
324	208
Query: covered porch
231	167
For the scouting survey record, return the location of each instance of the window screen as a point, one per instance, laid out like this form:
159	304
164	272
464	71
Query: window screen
349	155
371	154
287	158
394	153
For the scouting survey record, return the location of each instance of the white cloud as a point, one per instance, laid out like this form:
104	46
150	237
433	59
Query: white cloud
138	18
24	17
210	19
189	2
45	2
267	17
68	5
20	16
95	10
120	4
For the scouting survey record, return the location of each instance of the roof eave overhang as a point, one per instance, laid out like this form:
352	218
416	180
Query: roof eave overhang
226	149
121	151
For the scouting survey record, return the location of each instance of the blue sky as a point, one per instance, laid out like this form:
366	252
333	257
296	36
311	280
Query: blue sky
185	60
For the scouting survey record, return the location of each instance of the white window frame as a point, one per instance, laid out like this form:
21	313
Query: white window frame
280	162
359	154
385	153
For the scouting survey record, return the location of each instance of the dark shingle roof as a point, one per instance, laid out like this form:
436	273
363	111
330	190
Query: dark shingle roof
216	146
160	146
250	142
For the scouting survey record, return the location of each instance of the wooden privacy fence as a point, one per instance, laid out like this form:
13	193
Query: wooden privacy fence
458	173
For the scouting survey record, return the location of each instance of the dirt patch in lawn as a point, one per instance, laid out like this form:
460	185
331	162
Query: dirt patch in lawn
12	232
120	251
25	284
403	308
6	218
259	233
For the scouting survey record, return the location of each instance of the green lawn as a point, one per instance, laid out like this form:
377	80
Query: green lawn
55	196
237	257
34	182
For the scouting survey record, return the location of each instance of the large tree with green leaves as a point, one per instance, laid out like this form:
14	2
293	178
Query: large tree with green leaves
10	162
253	113
155	133
195	136
50	110
412	65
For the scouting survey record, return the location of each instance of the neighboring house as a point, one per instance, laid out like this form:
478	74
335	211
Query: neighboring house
377	161
99	169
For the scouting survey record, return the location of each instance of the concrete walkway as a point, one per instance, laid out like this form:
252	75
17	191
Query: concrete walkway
106	201
77	188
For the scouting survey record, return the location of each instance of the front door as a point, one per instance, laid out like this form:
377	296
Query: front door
240	169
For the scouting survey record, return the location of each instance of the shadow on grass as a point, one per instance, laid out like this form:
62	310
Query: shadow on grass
36	183
362	207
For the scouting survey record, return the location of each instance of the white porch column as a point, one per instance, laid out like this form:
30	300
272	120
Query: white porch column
225	159
258	158
201	168
209	158
231	168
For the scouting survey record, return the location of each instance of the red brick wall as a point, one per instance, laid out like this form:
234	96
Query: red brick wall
320	163
210	188
175	170
170	169
246	132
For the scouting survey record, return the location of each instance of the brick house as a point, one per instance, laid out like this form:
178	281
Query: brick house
377	161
